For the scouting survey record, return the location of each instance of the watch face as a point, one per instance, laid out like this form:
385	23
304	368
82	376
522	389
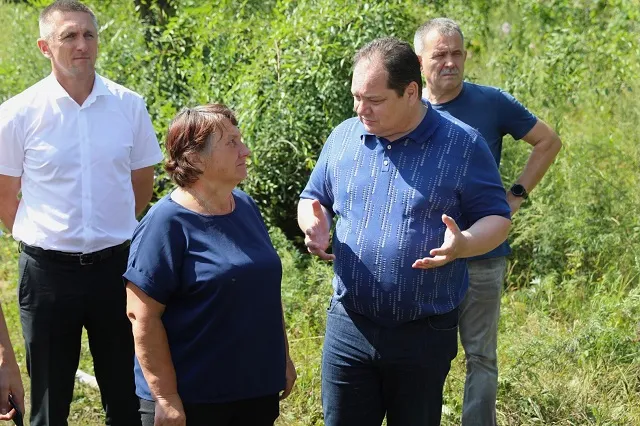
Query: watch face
519	191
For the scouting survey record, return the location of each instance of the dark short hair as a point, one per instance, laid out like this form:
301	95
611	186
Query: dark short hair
444	26
398	59
63	6
190	134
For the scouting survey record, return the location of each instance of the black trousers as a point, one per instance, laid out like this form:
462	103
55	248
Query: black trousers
261	411
57	299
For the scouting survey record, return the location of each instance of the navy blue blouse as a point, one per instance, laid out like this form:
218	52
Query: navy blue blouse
219	277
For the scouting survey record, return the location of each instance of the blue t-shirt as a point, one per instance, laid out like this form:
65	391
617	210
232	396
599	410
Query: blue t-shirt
219	277
494	113
389	198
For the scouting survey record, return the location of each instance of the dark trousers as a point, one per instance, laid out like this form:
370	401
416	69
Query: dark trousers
57	299
369	371
261	411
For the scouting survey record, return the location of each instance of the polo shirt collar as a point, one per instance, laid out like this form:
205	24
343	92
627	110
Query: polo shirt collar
425	129
427	126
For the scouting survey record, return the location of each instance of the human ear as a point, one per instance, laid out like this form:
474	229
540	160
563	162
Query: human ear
43	45
411	91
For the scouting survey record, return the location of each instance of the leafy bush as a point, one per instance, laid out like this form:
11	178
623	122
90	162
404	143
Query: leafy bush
285	72
284	65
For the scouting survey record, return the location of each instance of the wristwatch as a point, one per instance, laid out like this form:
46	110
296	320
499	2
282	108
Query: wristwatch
519	191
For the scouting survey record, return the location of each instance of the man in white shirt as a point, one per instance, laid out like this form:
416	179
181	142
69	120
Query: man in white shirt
80	149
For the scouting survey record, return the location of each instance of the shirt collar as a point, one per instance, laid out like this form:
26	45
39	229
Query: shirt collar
425	129
56	91
427	126
99	88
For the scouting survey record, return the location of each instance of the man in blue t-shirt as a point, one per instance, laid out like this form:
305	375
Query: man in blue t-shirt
414	193
494	113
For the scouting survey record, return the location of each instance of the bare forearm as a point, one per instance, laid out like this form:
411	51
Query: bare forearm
485	235
142	203
142	183
7	356
8	210
9	201
152	351
142	197
540	159
9	190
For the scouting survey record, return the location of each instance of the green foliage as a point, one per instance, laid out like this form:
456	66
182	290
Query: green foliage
284	71
297	89
575	64
19	25
569	350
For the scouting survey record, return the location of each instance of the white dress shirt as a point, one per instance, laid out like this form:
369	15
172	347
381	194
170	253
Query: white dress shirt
75	163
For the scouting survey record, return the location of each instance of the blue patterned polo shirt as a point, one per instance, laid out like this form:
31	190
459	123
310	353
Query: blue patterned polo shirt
389	198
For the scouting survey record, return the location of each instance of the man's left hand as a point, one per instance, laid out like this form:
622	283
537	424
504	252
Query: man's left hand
450	249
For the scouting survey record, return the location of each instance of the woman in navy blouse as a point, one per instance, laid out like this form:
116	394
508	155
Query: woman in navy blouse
203	288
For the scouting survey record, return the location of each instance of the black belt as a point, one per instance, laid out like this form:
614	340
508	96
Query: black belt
79	258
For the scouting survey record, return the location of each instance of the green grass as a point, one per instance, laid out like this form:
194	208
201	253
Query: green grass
569	349
567	357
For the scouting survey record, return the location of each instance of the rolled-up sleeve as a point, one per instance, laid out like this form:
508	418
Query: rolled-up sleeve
156	257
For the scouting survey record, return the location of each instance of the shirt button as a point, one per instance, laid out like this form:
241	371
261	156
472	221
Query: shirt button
389	146
385	162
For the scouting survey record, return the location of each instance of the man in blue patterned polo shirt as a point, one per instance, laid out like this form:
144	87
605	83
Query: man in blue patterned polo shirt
439	44
415	193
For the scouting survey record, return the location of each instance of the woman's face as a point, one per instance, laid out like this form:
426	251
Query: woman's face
226	161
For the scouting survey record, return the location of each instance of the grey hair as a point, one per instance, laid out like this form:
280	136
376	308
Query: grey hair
444	26
45	20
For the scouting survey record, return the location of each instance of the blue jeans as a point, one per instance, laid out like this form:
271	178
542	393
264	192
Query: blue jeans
369	371
479	314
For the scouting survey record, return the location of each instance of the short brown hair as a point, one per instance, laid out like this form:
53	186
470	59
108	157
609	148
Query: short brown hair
397	58
62	6
190	134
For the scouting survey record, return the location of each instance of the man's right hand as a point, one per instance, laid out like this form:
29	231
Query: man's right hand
316	232
169	412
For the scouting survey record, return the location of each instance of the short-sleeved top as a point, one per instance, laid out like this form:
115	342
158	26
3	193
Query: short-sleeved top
389	198
75	163
494	113
219	278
